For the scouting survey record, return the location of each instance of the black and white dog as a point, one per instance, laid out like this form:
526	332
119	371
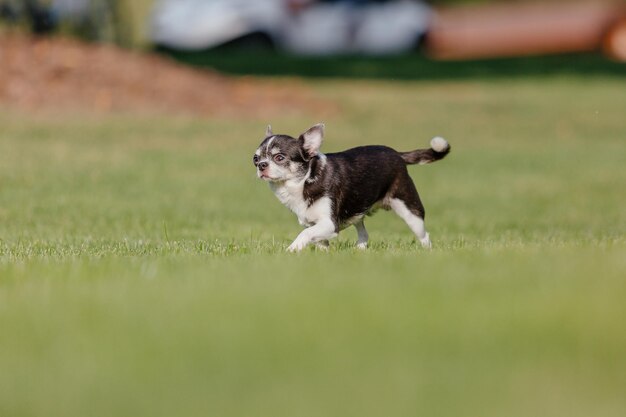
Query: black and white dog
329	192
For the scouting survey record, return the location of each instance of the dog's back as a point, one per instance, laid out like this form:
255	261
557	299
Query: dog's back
360	178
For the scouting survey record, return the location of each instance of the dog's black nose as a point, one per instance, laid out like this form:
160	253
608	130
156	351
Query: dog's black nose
263	165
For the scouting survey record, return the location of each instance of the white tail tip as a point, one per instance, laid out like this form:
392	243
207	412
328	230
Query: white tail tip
439	144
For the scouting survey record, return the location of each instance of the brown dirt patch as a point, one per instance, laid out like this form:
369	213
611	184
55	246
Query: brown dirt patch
53	74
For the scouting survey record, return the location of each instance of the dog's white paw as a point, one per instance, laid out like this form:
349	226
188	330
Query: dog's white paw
426	243
296	247
293	248
361	246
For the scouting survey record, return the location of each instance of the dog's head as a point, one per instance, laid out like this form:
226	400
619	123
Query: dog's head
282	157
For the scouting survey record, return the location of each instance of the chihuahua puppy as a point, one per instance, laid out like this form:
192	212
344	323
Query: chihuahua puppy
329	192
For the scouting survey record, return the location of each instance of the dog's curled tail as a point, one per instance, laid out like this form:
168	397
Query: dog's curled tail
439	148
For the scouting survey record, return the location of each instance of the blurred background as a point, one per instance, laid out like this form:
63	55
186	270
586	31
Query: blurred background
440	29
400	39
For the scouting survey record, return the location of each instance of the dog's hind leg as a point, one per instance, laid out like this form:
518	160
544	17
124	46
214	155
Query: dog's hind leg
406	203
413	220
363	237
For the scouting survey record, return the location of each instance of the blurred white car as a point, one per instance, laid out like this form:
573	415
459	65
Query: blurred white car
319	29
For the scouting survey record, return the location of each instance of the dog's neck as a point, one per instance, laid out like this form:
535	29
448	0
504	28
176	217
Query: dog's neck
291	192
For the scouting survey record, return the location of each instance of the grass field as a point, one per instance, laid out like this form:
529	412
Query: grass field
143	271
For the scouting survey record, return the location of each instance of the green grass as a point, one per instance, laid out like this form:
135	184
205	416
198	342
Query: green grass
143	271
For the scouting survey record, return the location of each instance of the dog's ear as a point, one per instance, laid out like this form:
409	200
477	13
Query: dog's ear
311	140
268	131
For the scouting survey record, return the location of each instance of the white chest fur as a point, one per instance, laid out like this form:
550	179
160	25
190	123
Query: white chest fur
291	194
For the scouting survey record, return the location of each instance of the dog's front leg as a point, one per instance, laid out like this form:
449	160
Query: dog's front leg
322	230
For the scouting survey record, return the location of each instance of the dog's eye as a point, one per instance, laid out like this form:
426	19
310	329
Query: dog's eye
255	159
279	157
